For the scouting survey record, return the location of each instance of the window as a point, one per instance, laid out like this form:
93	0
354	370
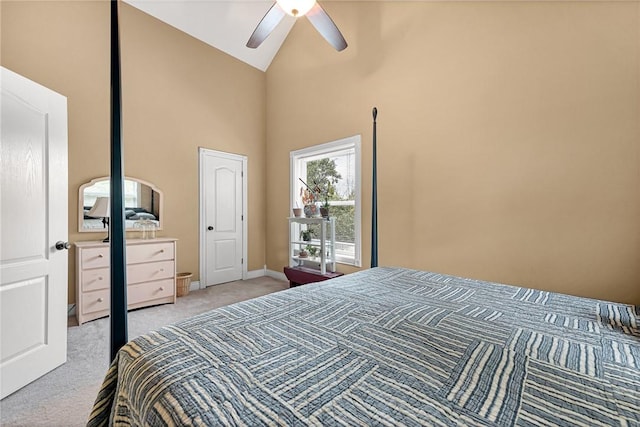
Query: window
339	161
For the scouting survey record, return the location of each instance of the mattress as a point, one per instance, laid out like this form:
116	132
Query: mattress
385	346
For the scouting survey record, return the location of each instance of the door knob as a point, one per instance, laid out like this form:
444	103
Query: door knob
60	245
209	228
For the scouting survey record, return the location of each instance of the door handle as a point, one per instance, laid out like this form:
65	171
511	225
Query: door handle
210	228
60	245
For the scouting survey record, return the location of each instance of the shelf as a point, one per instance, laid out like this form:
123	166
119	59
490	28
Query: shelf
324	240
307	258
305	220
318	244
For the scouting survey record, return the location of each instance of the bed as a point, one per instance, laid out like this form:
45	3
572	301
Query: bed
133	215
385	346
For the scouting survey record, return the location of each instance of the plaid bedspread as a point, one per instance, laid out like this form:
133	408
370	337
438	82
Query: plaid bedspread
385	346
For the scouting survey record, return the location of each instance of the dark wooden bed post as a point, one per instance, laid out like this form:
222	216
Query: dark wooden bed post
117	249
374	199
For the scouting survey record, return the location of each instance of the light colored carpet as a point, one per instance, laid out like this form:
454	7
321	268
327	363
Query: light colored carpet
64	397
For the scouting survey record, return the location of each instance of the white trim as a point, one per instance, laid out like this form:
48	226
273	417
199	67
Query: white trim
194	286
327	147
330	148
276	275
254	274
245	222
201	214
245	172
358	208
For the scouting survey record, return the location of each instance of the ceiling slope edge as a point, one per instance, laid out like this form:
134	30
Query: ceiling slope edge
225	25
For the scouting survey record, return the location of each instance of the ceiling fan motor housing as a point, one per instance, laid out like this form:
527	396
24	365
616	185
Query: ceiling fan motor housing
296	7
313	11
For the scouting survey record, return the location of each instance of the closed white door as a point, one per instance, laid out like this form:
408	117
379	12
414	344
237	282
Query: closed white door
33	218
222	219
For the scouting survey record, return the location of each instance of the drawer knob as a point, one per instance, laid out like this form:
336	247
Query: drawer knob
100	299
100	256
161	251
162	269
100	278
162	288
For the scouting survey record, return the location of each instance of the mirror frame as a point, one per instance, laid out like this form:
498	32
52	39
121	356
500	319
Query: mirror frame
81	229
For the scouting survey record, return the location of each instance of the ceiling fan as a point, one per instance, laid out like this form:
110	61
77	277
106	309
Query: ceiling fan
309	8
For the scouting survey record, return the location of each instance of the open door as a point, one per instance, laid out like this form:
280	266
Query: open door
33	225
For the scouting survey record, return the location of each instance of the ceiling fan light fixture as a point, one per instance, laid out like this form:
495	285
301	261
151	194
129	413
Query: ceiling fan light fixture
315	14
296	7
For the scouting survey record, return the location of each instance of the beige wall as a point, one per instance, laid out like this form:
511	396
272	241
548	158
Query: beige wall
178	94
508	131
508	136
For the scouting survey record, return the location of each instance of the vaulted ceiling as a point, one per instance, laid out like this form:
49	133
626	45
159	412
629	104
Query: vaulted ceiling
224	24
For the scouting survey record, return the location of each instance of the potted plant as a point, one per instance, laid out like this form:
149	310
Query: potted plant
307	234
312	251
324	209
309	201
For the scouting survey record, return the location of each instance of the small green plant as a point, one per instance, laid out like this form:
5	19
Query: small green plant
307	234
312	250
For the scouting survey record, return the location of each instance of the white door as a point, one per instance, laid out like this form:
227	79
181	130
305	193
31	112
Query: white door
33	217
222	216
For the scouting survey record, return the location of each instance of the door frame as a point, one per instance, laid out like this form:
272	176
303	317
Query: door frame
202	152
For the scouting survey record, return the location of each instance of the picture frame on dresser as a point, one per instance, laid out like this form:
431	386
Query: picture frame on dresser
151	276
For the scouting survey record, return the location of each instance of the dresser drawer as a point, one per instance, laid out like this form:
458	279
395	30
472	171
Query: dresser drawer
150	291
95	301
151	276
97	278
95	257
137	273
149	252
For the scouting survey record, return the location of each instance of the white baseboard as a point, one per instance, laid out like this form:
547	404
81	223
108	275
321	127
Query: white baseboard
266	272
194	286
276	275
254	274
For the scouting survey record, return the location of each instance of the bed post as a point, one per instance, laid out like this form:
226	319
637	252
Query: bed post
117	249
374	199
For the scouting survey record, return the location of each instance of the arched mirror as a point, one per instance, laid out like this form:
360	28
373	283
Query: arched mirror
142	201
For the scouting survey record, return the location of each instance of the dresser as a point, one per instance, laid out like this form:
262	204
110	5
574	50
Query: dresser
151	276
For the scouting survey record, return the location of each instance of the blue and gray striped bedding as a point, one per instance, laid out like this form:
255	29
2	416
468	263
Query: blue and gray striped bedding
385	346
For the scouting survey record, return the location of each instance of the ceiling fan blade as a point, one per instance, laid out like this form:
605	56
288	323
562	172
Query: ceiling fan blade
325	26
272	18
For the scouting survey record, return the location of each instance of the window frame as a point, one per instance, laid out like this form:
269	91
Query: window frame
326	150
